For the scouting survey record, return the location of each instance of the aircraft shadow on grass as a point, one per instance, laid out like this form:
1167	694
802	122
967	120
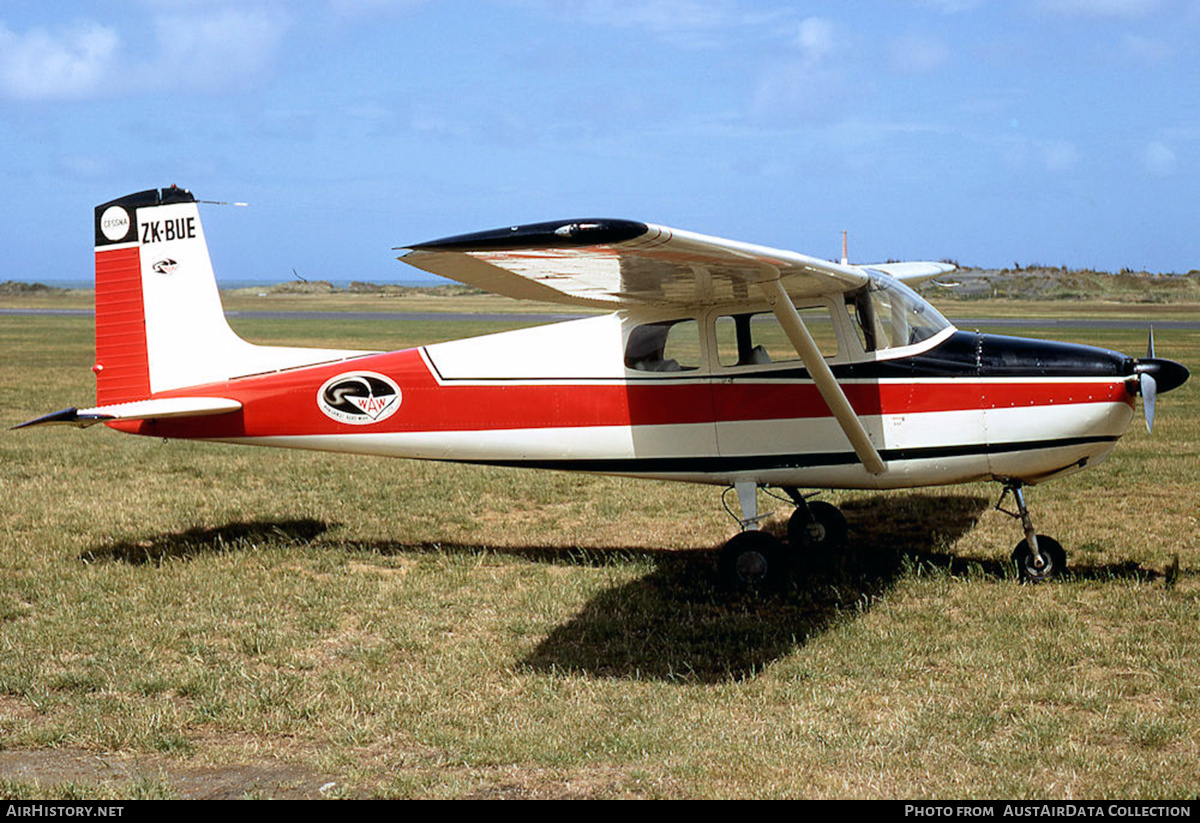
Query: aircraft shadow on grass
676	623
199	541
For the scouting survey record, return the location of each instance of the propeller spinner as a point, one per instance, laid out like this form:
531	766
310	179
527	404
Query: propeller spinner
1155	375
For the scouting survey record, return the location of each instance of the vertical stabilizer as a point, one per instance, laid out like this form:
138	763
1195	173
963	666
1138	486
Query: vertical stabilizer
159	320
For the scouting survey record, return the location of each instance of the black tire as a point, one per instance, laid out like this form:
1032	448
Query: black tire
820	529
753	561
1053	555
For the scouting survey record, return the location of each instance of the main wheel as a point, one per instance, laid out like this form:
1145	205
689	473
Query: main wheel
817	527
1053	557
753	561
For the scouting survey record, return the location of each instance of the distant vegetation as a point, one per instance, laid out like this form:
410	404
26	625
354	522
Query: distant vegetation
1032	282
1038	282
1021	282
9	287
358	287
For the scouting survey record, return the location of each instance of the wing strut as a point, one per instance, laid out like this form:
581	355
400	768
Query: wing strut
819	370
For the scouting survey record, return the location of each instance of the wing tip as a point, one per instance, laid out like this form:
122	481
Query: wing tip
914	271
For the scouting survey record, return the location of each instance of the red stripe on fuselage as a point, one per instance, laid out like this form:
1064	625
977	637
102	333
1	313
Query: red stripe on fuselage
769	401
285	403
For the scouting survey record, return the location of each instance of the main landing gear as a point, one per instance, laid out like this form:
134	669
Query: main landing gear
756	561
1037	557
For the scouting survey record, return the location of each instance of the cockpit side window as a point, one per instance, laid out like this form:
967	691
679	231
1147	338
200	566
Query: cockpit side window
668	346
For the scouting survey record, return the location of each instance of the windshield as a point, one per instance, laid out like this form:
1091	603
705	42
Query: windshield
888	314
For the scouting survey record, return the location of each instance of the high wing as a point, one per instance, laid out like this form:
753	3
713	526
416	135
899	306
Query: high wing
622	263
619	263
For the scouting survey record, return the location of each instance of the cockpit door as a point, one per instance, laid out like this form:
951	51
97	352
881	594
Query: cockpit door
770	417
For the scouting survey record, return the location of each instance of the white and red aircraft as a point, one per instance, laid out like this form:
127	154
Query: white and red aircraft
722	362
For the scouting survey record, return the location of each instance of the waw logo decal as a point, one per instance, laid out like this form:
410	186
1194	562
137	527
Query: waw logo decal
359	398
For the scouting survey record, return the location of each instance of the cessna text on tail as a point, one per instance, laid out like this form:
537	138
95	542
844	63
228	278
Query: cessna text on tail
721	362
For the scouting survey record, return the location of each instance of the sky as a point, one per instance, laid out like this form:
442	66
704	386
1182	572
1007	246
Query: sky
989	132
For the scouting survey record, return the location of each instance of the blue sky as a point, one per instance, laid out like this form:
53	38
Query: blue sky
1065	132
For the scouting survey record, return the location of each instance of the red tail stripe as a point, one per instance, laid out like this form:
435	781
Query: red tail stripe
123	367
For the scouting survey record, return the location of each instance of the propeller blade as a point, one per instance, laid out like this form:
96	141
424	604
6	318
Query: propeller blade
1150	344
1149	389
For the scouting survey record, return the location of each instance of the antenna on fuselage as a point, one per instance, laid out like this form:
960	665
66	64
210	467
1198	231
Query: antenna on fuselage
845	250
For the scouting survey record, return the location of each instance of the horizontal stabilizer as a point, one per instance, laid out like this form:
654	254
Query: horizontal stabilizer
137	410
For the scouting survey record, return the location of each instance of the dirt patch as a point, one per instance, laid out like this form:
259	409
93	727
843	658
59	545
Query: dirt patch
68	770
585	784
12	708
47	768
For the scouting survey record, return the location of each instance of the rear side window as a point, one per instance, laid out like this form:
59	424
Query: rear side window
669	346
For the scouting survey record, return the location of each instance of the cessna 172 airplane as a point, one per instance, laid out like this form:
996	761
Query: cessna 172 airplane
721	362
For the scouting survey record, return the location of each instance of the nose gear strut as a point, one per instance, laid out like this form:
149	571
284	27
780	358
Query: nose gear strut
1037	557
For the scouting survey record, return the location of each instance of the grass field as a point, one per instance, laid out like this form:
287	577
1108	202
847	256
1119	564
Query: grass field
183	620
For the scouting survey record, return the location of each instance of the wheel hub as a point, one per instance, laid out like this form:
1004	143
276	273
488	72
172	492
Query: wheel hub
752	566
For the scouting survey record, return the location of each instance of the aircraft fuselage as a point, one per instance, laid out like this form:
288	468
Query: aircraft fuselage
957	407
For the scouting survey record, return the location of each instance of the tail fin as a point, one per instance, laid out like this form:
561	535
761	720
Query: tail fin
159	321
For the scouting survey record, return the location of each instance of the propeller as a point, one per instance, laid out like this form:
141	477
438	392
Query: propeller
1156	375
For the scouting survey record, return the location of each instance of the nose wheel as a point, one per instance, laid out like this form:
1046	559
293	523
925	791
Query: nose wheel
1038	558
1054	560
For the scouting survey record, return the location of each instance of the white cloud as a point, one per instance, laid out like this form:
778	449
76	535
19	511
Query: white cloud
1099	8
41	65
1158	158
77	167
1027	153
919	53
358	9
1145	49
692	24
181	46
1059	155
817	40
952	6
809	85
216	49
